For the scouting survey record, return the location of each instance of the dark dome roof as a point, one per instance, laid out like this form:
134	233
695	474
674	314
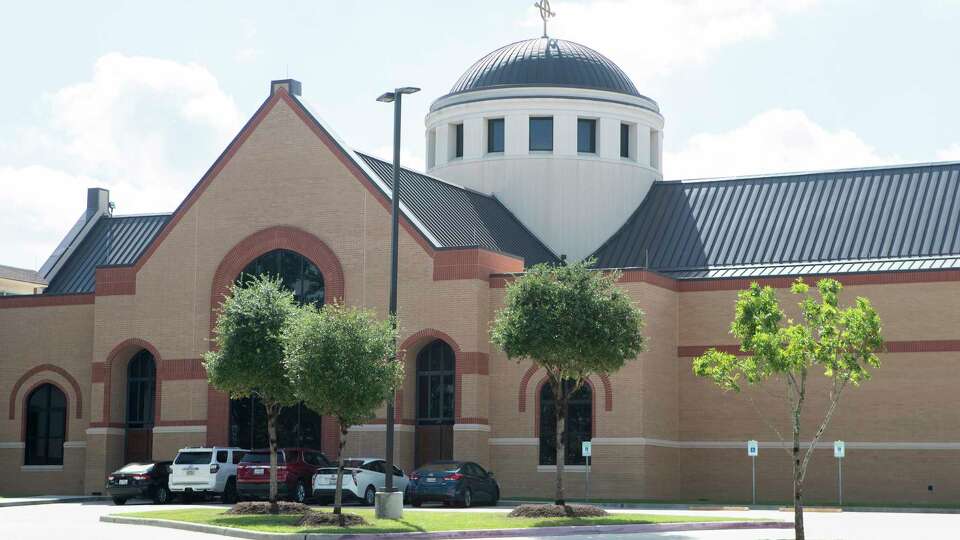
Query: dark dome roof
545	62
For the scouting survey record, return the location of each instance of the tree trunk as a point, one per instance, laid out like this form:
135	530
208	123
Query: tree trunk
338	494
797	478
560	409
273	411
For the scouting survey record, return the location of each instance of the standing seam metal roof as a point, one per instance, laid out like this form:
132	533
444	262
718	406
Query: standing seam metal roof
459	217
118	240
852	220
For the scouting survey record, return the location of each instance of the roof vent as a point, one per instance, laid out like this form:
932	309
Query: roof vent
292	86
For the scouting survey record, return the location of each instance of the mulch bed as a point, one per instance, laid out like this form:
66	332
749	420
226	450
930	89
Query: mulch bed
555	511
313	519
262	507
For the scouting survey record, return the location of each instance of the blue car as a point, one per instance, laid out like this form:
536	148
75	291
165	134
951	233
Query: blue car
461	483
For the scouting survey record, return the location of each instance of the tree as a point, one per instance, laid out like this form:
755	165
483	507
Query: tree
572	321
341	361
843	342
249	353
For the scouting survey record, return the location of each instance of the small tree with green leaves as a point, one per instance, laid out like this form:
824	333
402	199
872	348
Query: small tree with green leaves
572	321
341	361
249	353
842	342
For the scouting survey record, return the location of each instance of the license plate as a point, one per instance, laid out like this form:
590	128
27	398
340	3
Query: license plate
124	482
431	479
258	472
189	472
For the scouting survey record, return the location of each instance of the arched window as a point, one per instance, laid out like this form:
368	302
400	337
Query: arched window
295	271
141	387
46	426
297	425
435	384
579	424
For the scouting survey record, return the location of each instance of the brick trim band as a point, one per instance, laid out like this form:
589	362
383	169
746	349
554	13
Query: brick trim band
115	280
45	300
78	395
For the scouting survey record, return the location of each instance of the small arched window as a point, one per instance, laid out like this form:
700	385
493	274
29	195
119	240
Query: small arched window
436	387
295	271
46	426
579	424
141	387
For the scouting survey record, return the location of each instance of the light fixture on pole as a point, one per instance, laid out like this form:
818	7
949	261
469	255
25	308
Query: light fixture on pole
390	503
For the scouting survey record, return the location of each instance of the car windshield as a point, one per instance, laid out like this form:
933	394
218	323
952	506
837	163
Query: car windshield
135	468
193	458
261	458
439	467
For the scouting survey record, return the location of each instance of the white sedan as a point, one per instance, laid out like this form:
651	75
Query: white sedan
362	478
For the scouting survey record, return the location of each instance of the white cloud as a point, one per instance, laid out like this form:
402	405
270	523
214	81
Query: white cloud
950	153
653	38
144	128
247	55
773	141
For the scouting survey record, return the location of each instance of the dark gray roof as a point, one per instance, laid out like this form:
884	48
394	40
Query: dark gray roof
21	274
459	217
545	62
896	218
117	240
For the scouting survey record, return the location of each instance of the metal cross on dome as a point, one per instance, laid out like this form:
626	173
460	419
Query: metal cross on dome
545	13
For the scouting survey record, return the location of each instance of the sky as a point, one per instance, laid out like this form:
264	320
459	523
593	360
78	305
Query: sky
141	97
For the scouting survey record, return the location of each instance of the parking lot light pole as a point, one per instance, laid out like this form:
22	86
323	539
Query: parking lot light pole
390	503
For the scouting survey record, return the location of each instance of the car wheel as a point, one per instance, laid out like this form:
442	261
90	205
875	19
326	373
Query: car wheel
119	501
300	494
467	498
416	504
230	491
161	495
370	496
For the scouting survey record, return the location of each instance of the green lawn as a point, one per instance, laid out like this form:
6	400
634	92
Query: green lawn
413	521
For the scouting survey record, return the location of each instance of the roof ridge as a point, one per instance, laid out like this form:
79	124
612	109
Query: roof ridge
706	180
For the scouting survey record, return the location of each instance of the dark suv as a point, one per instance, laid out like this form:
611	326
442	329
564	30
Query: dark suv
141	481
295	469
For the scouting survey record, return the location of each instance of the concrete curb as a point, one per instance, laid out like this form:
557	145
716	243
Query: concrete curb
488	533
50	500
741	507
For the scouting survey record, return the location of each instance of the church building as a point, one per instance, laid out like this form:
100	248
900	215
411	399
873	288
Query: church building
543	151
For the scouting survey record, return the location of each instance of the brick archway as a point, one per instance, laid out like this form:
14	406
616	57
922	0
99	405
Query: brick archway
416	341
74	385
242	254
593	407
532	370
123	352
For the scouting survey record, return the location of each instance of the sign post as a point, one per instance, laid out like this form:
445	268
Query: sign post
839	451
753	448
586	449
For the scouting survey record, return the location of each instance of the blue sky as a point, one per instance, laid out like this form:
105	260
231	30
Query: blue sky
141	97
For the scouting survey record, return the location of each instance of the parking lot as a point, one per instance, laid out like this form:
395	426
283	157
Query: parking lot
69	521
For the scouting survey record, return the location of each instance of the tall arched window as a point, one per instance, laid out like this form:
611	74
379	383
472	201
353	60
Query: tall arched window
579	424
435	384
295	271
297	425
46	426
141	387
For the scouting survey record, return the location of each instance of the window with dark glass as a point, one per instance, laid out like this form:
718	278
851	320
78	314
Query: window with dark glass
458	141
141	386
625	140
295	271
297	425
435	384
579	424
586	136
541	133
46	426
495	135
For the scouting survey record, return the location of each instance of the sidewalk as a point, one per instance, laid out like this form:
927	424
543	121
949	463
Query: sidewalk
48	499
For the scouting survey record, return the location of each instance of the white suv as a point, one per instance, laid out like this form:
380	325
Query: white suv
206	471
362	478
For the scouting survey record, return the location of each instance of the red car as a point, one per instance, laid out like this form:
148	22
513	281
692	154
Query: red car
295	469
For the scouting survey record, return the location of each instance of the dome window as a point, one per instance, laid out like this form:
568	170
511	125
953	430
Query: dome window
541	134
586	136
495	135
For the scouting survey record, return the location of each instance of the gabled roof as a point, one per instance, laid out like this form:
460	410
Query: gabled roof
117	240
460	217
21	274
859	220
